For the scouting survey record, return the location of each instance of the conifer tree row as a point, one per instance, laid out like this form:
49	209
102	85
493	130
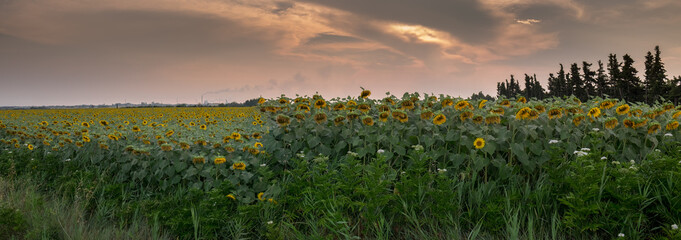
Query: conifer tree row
618	79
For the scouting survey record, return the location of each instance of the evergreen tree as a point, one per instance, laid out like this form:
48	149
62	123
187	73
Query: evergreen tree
533	88
501	90
632	83
576	83
602	86
660	74
589	80
553	87
674	94
615	77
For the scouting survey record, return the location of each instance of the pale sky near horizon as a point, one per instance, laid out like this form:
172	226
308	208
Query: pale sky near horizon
69	52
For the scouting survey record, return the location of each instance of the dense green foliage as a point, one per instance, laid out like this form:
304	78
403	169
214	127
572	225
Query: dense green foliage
386	169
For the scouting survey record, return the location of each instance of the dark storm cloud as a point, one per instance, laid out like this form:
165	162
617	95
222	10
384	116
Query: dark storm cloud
466	19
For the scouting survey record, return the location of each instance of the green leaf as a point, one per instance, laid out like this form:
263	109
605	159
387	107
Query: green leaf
180	166
313	141
340	146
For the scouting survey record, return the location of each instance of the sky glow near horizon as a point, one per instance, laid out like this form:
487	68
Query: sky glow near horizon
70	52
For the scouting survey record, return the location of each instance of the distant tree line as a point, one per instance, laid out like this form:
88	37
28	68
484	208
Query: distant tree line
248	103
616	79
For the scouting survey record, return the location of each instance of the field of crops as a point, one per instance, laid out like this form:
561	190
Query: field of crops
415	166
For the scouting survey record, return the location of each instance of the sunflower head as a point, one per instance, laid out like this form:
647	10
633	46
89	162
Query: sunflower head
319	103
447	102
198	159
235	136
364	108
365	94
523	113
653	128
611	123
477	119
219	160
320	118
492	119
283	120
407	104
166	147
521	100
239	166
607	104
479	143
555	113
383	116
367	120
439	119
672	125
338	106
338	120
461	104
594	112
465	115
577	120
427	115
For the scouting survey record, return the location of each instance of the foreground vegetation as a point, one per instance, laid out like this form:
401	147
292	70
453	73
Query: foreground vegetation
415	167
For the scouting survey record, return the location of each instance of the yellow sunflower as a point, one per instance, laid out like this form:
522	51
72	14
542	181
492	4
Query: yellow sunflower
219	160
611	123
461	104
439	119
365	94
367	120
622	109
239	166
594	112
479	143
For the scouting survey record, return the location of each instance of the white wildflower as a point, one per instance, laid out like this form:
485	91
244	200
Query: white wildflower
616	162
657	150
595	129
586	149
604	158
675	227
552	141
270	222
620	235
380	151
417	147
263	165
67	160
441	170
668	135
632	162
300	155
580	153
353	154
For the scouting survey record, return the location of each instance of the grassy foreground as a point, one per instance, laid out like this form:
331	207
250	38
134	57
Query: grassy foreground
26	212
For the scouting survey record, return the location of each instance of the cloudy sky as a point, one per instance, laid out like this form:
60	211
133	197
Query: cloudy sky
65	52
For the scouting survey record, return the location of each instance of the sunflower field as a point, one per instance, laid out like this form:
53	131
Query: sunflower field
198	147
409	167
